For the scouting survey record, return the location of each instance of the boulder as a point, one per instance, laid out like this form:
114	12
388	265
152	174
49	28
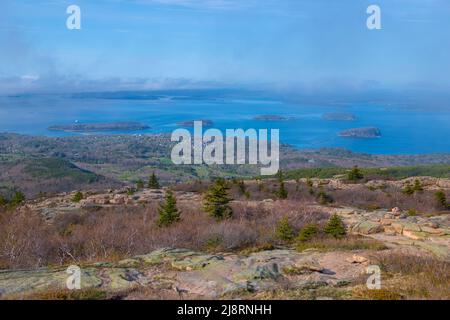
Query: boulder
195	262
387	222
304	266
398	227
390	230
409	226
367	227
415	235
357	259
119	199
396	211
433	231
269	271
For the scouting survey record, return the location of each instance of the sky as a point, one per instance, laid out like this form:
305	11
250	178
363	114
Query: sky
153	44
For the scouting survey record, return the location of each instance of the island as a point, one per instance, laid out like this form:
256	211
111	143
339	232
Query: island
270	117
190	123
95	127
366	132
339	116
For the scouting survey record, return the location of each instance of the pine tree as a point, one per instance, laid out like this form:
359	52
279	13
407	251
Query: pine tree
241	186
284	230
355	174
417	186
3	201
153	182
243	189
441	199
17	198
140	184
323	198
168	211
282	192
308	232
408	190
77	197
216	200
335	227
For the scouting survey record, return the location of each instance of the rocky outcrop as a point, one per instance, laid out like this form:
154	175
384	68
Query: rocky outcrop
394	227
427	183
198	273
64	204
28	281
366	227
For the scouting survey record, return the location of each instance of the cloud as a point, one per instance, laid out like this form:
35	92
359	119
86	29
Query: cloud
31	83
30	77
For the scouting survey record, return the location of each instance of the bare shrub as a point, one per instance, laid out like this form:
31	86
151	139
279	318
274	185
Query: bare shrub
426	276
26	241
388	197
113	233
229	235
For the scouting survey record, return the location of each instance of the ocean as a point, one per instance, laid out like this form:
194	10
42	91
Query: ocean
403	131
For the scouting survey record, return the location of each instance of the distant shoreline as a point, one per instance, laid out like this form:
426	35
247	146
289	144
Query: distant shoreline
97	127
166	135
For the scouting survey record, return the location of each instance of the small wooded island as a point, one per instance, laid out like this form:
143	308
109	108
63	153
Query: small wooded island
270	117
339	116
190	123
366	132
93	127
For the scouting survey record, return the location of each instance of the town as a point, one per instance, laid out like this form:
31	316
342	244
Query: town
208	147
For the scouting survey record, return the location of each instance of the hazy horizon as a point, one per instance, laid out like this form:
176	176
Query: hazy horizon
290	46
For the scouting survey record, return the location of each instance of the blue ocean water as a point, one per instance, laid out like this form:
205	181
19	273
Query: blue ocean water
404	131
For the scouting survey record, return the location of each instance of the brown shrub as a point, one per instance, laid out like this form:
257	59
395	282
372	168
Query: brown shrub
26	241
113	233
388	197
424	277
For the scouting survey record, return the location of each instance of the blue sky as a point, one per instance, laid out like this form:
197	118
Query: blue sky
147	44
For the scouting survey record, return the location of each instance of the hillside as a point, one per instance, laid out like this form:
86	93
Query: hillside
52	164
269	248
35	175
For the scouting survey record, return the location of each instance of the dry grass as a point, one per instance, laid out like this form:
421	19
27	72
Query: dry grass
382	294
62	294
349	243
416	276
